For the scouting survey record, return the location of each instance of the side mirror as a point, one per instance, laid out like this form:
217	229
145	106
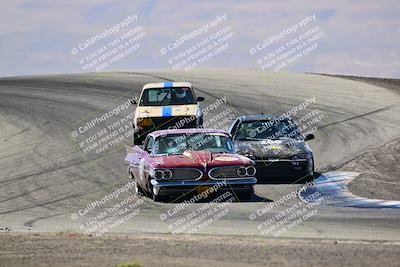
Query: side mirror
309	137
133	101
232	134
200	99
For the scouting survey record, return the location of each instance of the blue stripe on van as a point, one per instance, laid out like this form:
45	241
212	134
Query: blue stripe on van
167	111
168	84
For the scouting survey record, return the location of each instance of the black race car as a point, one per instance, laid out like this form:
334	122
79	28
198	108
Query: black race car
276	145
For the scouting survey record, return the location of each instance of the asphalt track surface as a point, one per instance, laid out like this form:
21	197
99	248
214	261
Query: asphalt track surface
44	178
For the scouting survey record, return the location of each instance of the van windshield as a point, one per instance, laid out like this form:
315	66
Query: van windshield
167	96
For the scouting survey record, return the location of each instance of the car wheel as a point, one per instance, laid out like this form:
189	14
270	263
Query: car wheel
138	189
200	122
311	177
137	139
158	198
245	196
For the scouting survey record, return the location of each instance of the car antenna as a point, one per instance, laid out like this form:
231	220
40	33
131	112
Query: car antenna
262	103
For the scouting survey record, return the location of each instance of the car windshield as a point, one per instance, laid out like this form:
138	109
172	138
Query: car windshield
179	143
267	129
167	96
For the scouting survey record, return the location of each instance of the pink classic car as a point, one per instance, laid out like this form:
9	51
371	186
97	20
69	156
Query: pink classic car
183	161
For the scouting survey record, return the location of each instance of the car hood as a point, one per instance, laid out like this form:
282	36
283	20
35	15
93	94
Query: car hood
283	148
200	159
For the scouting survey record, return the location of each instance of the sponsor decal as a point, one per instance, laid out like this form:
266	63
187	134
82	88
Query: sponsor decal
168	84
167	111
276	148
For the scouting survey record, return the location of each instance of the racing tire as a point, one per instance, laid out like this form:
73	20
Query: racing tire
311	177
137	139
157	198
200	125
245	196
138	189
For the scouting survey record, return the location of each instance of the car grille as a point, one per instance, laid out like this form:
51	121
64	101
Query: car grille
179	122
281	169
183	174
224	172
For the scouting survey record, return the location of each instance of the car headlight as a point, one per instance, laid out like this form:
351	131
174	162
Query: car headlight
251	171
144	122
246	171
167	174
301	156
163	174
241	171
158	174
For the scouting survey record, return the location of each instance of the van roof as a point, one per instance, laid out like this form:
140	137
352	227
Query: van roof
167	85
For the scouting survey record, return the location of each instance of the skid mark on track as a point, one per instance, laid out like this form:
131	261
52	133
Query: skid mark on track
357	116
332	186
15	134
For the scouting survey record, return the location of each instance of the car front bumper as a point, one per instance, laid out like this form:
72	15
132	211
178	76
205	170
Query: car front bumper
283	170
179	187
173	122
